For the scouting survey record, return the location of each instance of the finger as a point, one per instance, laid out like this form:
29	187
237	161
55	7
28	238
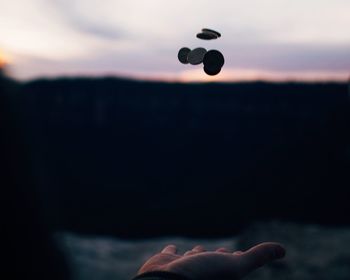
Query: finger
260	255
195	250
170	249
189	253
198	249
237	253
223	250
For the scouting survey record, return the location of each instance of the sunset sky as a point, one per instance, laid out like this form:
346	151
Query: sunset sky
261	39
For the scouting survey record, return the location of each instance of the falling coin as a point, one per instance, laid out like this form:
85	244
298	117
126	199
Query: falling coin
207	30
183	54
212	71
213	59
196	56
207	36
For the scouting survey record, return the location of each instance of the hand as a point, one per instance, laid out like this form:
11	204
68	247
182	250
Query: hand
199	264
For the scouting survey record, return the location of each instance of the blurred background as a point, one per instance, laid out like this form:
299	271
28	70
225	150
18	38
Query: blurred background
115	149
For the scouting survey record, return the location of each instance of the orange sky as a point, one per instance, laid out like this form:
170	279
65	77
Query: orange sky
3	59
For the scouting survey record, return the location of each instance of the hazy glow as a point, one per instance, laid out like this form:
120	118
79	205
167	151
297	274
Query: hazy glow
271	39
4	59
228	75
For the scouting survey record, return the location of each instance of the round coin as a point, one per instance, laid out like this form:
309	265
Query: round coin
196	56
212	71
207	36
211	31
213	59
182	55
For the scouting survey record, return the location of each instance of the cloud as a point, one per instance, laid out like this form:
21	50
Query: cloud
289	57
142	37
76	19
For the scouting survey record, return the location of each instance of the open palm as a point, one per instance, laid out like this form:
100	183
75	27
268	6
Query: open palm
199	264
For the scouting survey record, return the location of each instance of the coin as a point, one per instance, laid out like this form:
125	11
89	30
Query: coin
196	56
212	71
207	36
182	55
211	31
213	59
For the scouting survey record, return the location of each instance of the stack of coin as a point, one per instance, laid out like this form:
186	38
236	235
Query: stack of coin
183	55
193	57
213	60
208	34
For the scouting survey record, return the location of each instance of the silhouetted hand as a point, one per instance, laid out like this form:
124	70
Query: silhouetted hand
199	264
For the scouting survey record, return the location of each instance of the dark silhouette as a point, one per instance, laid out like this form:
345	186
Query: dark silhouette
28	248
108	154
30	251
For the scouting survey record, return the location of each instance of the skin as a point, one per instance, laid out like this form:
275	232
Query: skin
199	264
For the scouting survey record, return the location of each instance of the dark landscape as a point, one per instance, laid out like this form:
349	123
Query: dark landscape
121	168
143	159
130	126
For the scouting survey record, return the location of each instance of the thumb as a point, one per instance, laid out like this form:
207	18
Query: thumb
260	255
